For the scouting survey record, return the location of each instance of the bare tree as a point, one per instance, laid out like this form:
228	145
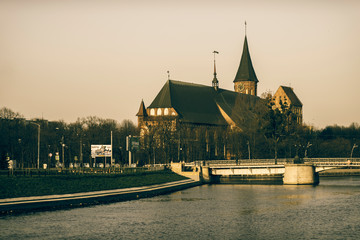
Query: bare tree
6	113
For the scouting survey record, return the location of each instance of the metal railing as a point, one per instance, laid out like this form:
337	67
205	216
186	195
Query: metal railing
280	161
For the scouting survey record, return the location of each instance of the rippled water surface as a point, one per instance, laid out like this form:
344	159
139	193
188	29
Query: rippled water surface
328	211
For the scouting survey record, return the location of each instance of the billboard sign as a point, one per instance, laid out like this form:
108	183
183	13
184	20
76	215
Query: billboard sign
135	143
100	151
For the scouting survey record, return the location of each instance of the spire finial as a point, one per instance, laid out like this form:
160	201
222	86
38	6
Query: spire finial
245	27
215	52
168	73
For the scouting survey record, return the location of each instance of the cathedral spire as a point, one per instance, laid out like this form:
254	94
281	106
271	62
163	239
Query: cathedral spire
246	70
215	82
245	80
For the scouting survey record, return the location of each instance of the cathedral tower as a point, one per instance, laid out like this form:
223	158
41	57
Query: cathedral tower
245	80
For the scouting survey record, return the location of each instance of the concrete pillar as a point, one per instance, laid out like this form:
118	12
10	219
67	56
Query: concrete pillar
177	167
205	174
300	174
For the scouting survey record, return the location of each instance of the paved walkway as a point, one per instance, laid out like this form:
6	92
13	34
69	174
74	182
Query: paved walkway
49	202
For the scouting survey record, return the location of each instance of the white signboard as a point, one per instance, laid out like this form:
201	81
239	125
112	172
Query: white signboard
100	151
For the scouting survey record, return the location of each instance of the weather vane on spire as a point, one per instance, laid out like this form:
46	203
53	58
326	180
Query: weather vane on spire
215	82
215	52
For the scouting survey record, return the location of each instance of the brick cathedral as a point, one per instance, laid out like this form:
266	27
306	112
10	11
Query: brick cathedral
193	105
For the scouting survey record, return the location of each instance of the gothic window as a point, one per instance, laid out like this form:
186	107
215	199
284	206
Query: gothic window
152	112
159	111
247	91
166	111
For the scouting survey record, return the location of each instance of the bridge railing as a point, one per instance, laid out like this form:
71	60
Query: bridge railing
247	162
316	161
329	160
336	164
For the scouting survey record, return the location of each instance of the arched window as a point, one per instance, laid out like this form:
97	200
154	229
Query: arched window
152	112
166	111
247	91
158	111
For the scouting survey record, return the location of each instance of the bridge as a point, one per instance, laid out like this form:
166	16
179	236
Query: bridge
262	169
268	166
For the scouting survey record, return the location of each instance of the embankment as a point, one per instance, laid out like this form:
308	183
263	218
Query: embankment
50	202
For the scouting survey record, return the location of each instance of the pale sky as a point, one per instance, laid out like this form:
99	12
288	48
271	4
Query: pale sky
64	59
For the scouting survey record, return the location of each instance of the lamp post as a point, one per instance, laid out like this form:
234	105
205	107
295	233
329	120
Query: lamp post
81	153
63	156
62	148
352	150
38	154
22	153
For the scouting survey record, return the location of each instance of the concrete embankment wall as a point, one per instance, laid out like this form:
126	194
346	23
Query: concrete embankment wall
15	205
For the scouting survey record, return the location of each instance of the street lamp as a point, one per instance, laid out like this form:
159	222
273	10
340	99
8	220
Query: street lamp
63	156
62	148
38	155
22	153
81	153
352	150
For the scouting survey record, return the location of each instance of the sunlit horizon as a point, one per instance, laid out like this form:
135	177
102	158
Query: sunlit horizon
64	60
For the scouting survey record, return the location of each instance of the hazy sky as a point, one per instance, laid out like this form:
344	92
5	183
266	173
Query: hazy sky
64	59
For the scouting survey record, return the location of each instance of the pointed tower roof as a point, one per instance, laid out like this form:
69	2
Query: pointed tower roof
142	110
246	70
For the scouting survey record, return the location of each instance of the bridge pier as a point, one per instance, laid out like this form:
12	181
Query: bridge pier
300	174
206	175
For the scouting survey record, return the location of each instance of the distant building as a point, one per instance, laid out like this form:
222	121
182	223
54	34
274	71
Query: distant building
286	96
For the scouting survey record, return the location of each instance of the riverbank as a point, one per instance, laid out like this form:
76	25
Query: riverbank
39	185
52	202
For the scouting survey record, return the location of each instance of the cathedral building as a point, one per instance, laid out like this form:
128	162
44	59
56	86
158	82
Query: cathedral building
181	103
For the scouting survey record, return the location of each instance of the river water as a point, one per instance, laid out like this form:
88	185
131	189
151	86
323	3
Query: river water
330	210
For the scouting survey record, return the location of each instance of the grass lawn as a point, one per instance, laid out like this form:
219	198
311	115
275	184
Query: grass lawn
25	186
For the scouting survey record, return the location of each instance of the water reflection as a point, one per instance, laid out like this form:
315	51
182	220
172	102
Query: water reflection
328	211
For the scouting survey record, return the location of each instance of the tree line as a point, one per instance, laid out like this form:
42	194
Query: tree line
19	139
274	134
